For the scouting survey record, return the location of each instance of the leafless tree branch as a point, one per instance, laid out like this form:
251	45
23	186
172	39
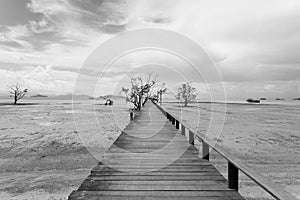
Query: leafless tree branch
16	92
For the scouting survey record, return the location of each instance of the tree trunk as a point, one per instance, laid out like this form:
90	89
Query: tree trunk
160	98
140	102
185	102
144	102
16	99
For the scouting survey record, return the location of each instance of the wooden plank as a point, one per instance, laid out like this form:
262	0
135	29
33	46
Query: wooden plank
158	183
213	177
225	193
170	169
155	173
96	186
147	195
151	164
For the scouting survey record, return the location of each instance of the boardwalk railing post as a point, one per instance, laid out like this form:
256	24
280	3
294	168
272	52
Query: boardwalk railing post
167	115
233	177
205	150
191	137
173	120
177	124
182	129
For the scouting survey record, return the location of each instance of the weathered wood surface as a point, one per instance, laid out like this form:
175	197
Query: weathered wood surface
151	159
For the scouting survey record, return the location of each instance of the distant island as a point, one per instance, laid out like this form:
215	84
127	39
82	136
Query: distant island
109	96
39	96
297	99
263	98
279	99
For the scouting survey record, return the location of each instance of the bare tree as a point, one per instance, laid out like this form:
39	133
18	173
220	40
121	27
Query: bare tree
16	92
141	89
186	93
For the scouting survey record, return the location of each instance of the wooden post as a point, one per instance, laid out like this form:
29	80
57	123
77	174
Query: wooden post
191	138
233	176
182	129
170	117
205	150
167	115
173	120
177	124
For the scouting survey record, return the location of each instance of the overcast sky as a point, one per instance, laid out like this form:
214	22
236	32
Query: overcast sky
255	44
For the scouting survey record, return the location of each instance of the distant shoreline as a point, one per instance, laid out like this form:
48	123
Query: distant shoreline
292	102
37	101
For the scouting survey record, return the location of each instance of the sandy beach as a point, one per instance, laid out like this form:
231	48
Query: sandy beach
43	155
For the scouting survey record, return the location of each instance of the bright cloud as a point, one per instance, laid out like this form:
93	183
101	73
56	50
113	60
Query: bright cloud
37	79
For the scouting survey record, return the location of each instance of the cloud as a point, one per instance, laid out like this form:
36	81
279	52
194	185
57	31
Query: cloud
41	26
10	43
70	23
103	16
158	20
281	72
269	87
39	79
259	72
11	66
11	37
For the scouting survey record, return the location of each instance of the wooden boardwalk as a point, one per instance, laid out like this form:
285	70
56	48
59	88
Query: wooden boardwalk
153	160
